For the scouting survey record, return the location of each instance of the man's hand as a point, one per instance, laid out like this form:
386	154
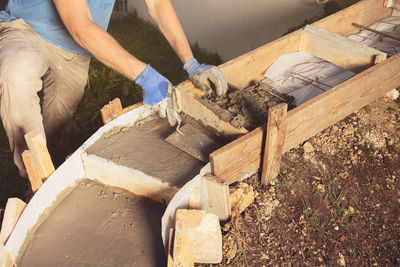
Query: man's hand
159	94
201	75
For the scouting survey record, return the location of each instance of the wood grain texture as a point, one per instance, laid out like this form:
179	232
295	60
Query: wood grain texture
237	153
33	176
37	145
365	12
13	211
276	132
5	258
242	156
170	259
214	197
339	50
328	108
111	111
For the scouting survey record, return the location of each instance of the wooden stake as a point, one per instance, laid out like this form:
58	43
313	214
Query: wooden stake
33	175
13	211
114	109
170	259
214	197
111	111
194	199
5	258
183	251
42	161
276	131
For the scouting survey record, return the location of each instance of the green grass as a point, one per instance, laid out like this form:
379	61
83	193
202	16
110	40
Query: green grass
144	41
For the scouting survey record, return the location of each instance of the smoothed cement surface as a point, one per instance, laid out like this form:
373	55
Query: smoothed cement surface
94	225
143	147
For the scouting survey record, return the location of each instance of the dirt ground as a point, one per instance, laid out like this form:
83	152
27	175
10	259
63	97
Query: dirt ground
336	201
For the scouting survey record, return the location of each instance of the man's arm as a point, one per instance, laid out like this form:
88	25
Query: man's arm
76	17
163	13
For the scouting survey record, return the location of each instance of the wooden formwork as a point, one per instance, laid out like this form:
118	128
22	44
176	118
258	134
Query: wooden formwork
325	39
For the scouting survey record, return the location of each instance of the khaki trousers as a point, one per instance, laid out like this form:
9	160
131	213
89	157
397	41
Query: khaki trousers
29	64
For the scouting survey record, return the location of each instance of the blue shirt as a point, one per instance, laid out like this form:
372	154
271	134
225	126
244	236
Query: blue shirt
43	18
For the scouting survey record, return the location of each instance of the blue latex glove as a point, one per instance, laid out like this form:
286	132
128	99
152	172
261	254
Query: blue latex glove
154	85
202	74
159	94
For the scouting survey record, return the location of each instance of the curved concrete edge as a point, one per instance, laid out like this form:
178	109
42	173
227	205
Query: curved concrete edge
66	176
127	179
180	201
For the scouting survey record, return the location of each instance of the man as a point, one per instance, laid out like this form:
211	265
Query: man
47	44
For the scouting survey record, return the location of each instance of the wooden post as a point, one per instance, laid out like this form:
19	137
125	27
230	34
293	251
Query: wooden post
5	258
214	197
276	131
170	259
194	199
37	145
33	175
183	251
111	111
114	109
13	211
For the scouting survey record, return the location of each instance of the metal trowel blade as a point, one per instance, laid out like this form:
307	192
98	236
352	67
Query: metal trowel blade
193	141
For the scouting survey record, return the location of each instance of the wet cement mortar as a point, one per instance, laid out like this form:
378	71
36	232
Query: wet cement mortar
247	108
336	201
143	147
93	225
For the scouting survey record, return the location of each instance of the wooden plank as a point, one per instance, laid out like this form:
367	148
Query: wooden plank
132	107
246	168
231	157
111	111
170	259
339	50
364	12
5	258
249	68
214	197
310	118
183	251
326	109
34	177
194	199
37	144
276	132
13	211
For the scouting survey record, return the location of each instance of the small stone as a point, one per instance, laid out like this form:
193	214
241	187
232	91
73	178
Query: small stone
240	198
336	228
308	148
272	190
348	131
351	210
275	202
341	261
394	94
